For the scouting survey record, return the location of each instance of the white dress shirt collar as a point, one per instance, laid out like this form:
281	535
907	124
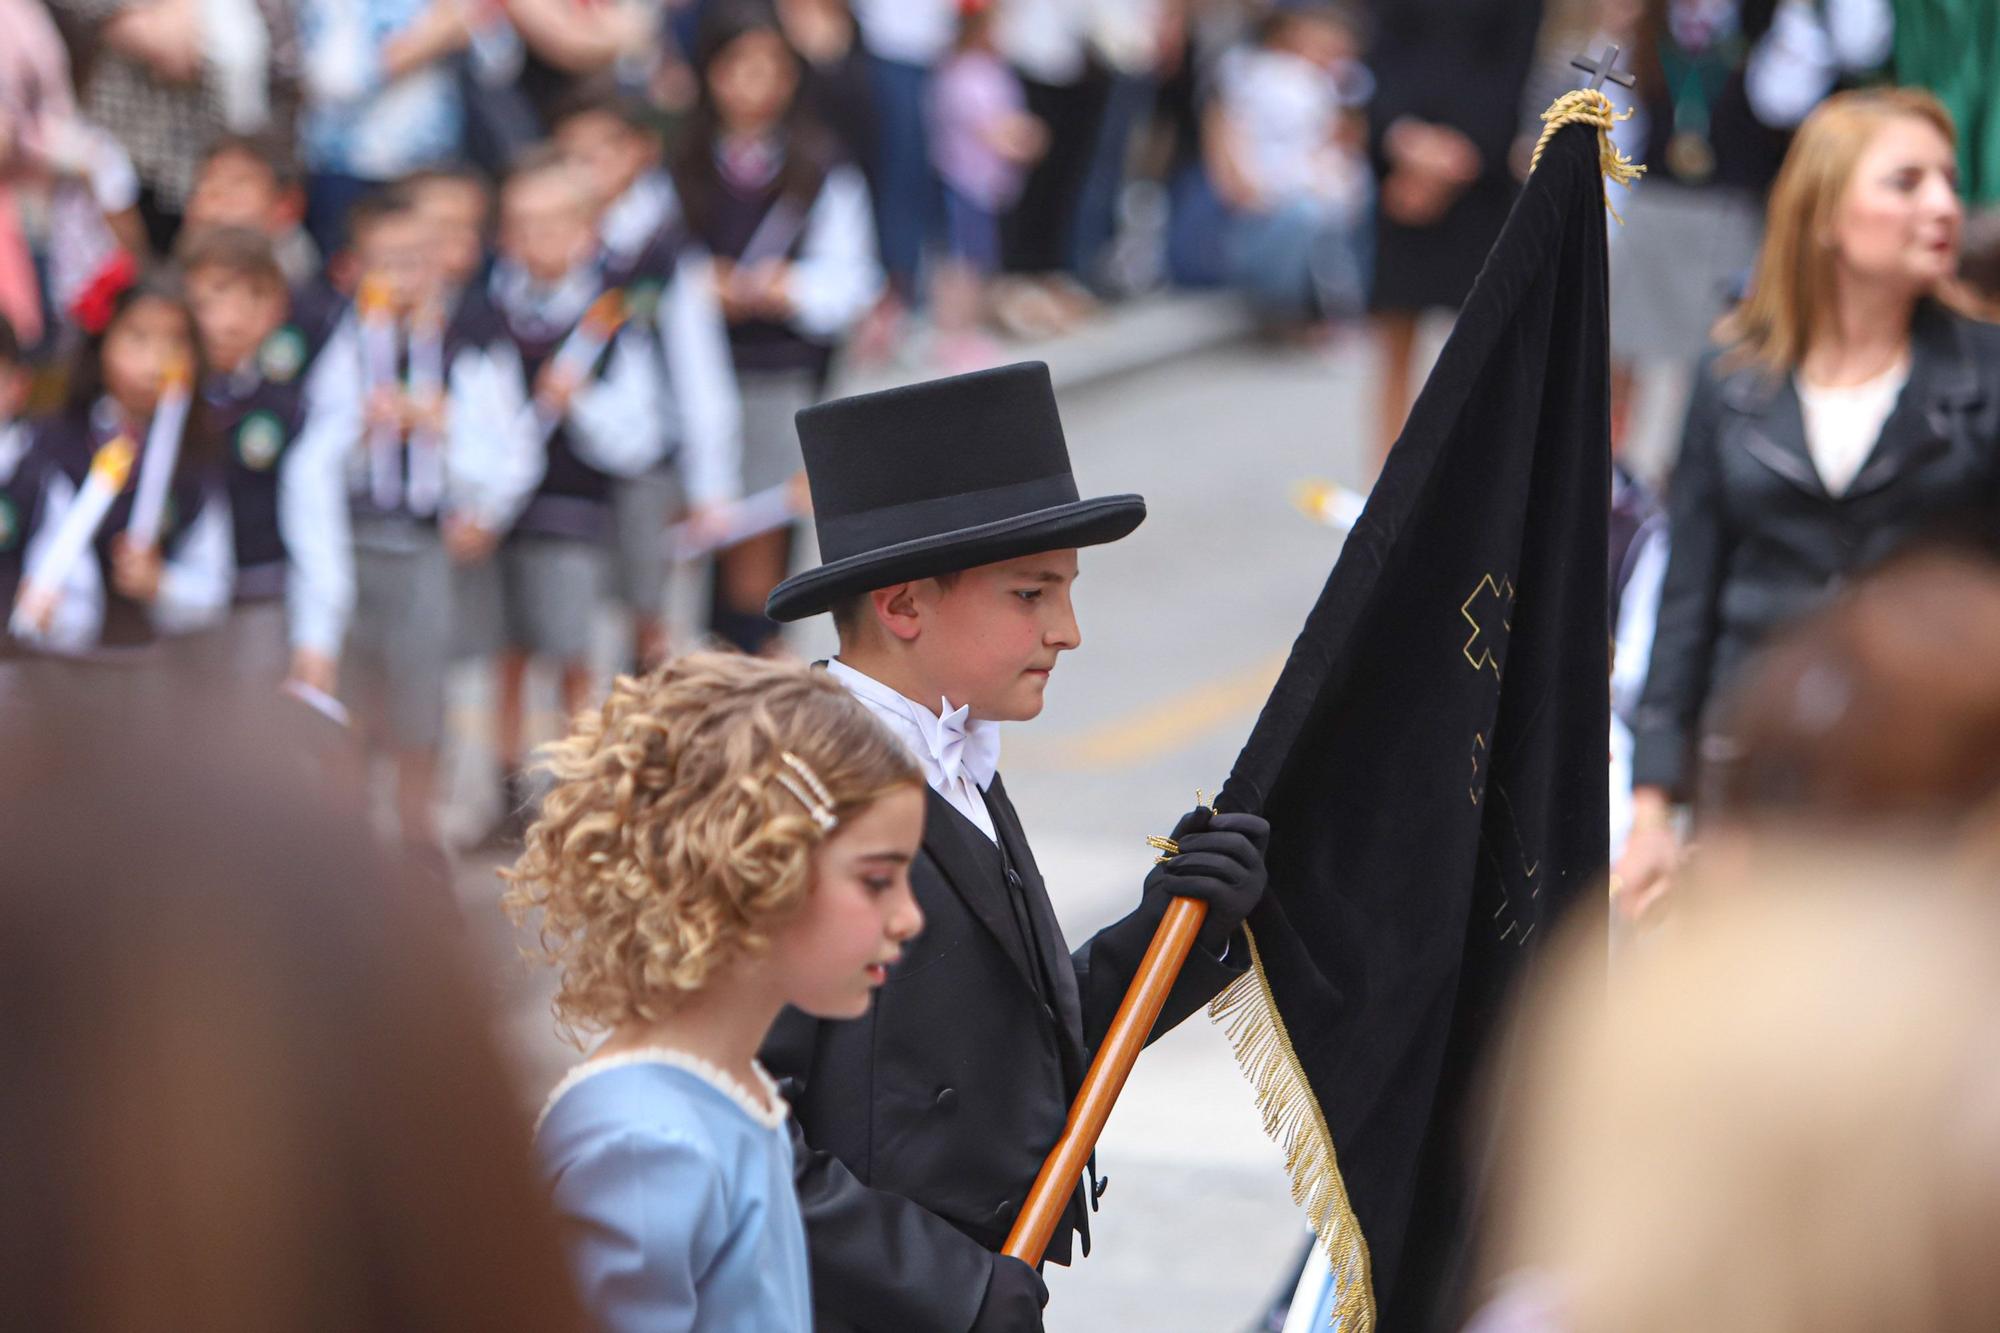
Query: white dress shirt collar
958	756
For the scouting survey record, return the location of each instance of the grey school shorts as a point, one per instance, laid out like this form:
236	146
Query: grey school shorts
399	645
641	508
549	589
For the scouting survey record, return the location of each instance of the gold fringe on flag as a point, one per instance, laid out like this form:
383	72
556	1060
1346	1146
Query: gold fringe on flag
1248	1014
1588	106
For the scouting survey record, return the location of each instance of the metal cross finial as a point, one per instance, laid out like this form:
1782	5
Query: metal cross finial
1602	68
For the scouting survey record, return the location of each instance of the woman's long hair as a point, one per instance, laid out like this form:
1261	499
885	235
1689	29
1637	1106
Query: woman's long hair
809	150
1792	288
200	446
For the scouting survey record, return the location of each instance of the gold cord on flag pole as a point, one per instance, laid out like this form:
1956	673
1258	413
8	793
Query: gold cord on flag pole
1588	106
1248	1014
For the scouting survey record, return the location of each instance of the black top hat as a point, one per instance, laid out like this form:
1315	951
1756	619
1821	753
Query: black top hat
941	476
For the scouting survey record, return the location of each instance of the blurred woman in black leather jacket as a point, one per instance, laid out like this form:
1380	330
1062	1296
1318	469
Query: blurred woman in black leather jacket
1850	410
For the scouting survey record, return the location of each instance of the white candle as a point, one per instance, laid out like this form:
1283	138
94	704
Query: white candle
378	352
159	458
110	467
579	352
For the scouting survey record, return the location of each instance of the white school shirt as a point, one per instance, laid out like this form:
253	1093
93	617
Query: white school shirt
617	420
1842	424
972	748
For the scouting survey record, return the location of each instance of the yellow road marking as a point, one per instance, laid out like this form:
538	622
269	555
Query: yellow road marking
1158	728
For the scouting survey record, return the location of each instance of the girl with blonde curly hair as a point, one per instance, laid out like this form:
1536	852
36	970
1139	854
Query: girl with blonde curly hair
726	836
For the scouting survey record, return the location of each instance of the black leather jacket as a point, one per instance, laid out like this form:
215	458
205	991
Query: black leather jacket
1757	541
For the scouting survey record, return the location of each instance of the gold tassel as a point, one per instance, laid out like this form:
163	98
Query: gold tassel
1588	106
1249	1017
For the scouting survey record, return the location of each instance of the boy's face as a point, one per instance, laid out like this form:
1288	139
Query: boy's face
397	251
606	150
1323	40
234	189
455	212
989	640
545	225
234	313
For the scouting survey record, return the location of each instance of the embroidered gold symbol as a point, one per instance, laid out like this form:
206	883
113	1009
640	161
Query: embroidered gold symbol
1491	603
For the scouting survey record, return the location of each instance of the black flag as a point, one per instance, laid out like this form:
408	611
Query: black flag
1432	761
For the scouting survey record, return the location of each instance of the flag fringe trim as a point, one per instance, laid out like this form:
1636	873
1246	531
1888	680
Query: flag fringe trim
1247	1012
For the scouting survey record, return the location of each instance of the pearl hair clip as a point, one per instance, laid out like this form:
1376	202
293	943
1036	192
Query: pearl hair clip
805	788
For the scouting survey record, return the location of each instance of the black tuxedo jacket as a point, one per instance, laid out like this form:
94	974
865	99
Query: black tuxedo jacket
920	1127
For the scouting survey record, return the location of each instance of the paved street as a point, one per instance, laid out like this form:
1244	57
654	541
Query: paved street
1184	625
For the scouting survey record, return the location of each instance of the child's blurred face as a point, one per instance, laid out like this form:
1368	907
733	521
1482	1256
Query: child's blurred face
236	190
15	384
545	224
234	313
150	338
610	153
752	81
397	251
455	212
1326	42
989	641
858	913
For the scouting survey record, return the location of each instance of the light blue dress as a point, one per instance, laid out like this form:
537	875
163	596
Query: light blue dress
676	1186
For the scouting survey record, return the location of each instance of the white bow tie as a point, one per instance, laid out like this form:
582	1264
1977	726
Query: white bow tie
961	748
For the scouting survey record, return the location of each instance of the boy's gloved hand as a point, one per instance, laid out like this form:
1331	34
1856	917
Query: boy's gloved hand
1015	1295
1221	862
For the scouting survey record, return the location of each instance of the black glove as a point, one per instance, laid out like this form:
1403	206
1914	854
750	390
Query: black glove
1221	862
1015	1296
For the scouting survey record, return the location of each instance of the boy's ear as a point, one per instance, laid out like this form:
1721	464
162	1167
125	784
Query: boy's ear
895	610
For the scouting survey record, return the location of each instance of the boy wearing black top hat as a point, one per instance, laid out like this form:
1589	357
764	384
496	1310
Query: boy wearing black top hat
949	523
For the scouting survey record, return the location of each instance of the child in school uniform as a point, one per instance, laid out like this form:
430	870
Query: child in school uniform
725	837
252	181
763	186
444	465
611	136
596	413
248	180
131	399
950	524
287	438
670	296
457	204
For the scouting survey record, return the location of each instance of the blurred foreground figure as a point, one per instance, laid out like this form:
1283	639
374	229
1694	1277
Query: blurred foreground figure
1787	1116
1880	714
247	1086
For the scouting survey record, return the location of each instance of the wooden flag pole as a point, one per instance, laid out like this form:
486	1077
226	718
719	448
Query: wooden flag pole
1116	1055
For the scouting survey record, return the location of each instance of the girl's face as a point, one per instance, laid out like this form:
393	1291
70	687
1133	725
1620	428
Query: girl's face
752	81
858	913
1899	219
147	340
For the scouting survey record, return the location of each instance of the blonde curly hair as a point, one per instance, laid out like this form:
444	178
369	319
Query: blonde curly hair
676	835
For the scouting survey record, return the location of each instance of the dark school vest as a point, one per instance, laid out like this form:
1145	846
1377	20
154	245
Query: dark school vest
643	275
257	420
315	313
20	512
573	498
475	325
71	442
762	344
